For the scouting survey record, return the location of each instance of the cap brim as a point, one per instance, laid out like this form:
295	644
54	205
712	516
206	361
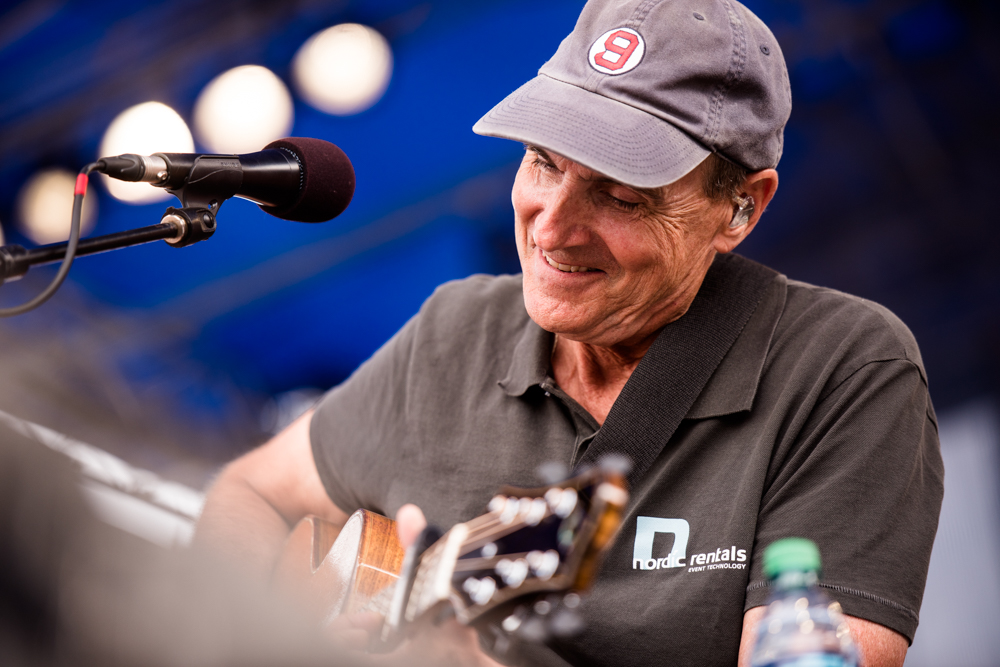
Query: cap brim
620	141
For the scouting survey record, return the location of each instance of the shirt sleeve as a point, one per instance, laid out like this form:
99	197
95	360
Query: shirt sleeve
864	480
358	425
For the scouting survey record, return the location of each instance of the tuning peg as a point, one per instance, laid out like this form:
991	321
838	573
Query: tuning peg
526	624
615	463
501	643
542	607
514	621
548	617
544	563
534	629
513	572
566	623
553	472
561	501
480	590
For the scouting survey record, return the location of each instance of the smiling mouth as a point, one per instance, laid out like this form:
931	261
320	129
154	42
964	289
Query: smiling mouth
565	268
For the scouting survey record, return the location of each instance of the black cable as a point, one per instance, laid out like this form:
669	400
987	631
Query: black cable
74	239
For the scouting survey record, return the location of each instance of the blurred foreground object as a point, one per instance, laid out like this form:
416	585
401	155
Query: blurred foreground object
802	627
132	499
74	591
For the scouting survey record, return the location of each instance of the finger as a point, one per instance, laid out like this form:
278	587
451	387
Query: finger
351	639
353	631
367	620
410	522
450	644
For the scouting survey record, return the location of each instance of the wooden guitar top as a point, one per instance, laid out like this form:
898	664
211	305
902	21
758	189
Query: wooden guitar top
344	570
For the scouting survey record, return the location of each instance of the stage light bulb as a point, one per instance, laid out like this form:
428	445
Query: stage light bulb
45	207
144	129
343	70
243	110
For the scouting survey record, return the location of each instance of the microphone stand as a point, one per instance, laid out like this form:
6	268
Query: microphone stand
178	227
16	260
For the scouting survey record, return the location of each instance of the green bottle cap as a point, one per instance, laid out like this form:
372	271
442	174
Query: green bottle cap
791	554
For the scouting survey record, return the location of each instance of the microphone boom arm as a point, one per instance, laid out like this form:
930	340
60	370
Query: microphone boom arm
16	260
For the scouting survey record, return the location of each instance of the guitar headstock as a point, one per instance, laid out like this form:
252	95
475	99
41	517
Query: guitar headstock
535	542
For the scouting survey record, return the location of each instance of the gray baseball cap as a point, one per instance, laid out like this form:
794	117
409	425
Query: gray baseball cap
643	91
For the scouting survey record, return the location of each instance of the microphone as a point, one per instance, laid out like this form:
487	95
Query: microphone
298	178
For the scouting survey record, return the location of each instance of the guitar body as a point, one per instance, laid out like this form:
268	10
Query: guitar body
341	572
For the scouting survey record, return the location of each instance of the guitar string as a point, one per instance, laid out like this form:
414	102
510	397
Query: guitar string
478	527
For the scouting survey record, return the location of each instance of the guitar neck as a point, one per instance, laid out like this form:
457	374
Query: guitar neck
431	583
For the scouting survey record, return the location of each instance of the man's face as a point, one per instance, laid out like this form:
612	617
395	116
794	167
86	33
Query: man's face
607	264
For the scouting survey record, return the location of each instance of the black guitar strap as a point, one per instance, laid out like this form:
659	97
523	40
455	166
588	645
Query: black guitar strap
678	365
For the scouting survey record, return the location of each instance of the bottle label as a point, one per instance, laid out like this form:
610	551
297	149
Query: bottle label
813	660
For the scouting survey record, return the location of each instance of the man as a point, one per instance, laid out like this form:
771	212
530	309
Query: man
753	407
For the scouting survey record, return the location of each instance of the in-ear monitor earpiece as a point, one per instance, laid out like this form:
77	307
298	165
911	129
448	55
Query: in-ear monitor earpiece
744	209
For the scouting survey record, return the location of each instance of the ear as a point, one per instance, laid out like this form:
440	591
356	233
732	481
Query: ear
761	186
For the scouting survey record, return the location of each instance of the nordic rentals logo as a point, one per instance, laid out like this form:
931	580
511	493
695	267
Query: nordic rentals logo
646	529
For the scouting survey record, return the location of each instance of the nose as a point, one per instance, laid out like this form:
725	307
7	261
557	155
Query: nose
560	220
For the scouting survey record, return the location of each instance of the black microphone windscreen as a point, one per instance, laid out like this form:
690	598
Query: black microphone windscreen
328	182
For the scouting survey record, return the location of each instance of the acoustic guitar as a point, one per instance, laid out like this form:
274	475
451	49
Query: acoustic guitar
518	568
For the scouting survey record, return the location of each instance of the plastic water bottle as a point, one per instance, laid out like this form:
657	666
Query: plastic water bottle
803	627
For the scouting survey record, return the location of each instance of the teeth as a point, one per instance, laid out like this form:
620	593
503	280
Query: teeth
564	267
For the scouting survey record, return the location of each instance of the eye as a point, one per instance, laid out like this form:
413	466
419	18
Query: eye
541	163
621	203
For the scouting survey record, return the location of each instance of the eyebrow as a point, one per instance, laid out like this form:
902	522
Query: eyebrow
653	194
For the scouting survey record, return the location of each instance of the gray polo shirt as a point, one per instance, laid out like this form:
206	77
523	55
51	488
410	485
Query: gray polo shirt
817	424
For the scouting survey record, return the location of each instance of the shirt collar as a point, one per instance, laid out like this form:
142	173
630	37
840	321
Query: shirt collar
733	385
532	360
731	388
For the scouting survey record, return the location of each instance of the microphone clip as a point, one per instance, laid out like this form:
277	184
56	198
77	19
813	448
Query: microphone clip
211	180
192	225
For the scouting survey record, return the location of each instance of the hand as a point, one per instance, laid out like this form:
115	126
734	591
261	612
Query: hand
447	644
351	633
410	522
